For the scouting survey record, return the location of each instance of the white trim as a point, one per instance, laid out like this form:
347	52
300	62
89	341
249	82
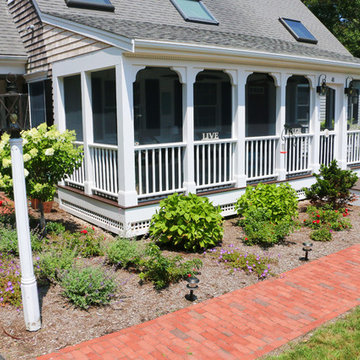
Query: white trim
178	47
91	32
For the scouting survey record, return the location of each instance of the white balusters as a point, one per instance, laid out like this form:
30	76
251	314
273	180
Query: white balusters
327	148
260	157
77	178
297	153
104	159
159	169
214	163
353	147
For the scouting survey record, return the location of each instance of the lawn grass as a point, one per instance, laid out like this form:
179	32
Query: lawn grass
340	340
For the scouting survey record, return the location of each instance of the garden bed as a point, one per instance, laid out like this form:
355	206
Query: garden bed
64	325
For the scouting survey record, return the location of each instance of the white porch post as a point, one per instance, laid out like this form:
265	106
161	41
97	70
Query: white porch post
314	125
88	135
341	128
188	130
240	129
281	155
125	134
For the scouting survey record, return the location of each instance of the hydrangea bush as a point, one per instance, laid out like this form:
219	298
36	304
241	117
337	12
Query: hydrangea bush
48	157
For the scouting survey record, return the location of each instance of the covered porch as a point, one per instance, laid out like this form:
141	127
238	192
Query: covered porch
152	127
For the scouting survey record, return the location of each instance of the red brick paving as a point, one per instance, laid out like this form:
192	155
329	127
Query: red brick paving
243	324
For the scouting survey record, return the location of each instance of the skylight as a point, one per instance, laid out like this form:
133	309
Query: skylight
298	30
104	5
195	11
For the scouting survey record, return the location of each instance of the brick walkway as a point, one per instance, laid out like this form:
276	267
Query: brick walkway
243	324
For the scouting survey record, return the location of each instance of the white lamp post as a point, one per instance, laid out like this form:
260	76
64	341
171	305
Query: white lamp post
29	290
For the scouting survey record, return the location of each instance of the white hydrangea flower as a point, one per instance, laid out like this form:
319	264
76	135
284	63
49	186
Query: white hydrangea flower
26	157
6	163
25	141
33	152
26	173
49	152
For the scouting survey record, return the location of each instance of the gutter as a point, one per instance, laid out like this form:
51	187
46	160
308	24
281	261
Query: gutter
13	58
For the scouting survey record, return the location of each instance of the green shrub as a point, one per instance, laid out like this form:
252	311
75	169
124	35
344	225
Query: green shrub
238	261
88	286
322	234
123	253
259	230
9	241
85	243
51	265
327	217
279	202
187	222
332	186
54	227
163	270
10	277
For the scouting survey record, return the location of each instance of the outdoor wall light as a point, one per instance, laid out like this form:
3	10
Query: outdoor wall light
192	285
323	88
350	90
307	247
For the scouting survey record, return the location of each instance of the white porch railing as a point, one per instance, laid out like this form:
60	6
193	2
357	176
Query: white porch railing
159	169
327	148
353	147
260	155
77	178
298	153
214	163
104	159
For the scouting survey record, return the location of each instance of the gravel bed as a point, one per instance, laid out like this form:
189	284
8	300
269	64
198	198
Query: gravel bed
63	325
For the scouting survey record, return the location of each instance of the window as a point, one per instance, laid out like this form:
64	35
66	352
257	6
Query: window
195	11
104	5
103	87
353	108
73	109
37	103
298	30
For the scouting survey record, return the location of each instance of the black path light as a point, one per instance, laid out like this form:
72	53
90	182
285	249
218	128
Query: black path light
192	285
307	247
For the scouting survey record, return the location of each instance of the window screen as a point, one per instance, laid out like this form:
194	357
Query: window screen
37	103
194	10
298	30
73	108
104	5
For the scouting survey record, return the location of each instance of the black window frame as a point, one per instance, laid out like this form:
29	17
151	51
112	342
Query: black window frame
106	5
194	19
294	34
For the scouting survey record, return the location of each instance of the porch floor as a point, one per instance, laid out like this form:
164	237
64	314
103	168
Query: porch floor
243	324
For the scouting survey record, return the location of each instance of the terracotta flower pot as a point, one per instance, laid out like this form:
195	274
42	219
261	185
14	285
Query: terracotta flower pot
47	205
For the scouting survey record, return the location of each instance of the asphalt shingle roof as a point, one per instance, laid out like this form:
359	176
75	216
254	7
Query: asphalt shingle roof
243	24
10	42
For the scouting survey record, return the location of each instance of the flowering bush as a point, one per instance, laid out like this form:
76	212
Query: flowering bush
250	263
48	156
10	292
327	217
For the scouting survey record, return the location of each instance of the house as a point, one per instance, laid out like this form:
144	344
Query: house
197	96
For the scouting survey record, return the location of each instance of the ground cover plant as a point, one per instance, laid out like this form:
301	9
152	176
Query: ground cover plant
9	282
340	341
332	186
247	262
187	222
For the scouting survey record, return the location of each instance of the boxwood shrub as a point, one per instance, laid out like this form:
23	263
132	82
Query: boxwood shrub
187	222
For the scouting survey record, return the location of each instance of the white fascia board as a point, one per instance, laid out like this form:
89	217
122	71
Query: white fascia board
91	32
12	64
183	49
